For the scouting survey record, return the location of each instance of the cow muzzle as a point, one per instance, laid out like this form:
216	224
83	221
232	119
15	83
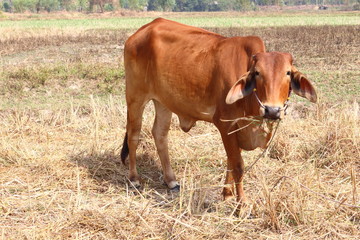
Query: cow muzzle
272	112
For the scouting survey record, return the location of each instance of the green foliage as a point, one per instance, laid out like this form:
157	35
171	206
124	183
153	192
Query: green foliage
82	5
164	5
237	5
356	7
35	5
133	4
23	5
196	5
68	5
109	7
7	7
210	5
161	5
49	5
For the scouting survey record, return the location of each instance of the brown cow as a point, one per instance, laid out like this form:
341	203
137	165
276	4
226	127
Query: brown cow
200	75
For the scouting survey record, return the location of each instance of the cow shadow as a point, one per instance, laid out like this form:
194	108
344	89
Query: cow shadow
110	174
107	170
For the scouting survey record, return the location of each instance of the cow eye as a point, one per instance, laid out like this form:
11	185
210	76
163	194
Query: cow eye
288	73
257	73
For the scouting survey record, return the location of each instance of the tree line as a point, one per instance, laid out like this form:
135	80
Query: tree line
155	5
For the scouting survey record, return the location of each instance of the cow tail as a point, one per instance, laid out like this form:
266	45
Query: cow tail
125	149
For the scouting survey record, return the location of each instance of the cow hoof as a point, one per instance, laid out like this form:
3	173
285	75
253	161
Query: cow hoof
175	189
228	194
135	184
228	197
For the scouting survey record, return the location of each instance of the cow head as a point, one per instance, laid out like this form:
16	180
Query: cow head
271	76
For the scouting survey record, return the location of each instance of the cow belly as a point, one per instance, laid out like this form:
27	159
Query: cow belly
188	111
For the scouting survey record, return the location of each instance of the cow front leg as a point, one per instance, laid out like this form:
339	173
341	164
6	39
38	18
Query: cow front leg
228	191
237	169
235	166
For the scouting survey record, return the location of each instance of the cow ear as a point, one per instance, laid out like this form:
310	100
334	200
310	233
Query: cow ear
243	87
302	86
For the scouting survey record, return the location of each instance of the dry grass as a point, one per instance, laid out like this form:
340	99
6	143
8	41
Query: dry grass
60	170
18	40
61	178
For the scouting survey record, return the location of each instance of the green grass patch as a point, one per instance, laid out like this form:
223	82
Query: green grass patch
52	84
337	86
209	20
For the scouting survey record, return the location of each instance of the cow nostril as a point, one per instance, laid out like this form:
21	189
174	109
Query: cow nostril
266	110
272	112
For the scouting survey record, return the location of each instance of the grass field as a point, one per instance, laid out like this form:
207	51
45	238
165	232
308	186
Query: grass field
203	21
63	113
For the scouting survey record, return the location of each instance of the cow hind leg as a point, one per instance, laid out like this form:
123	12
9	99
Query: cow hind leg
133	128
125	149
160	132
